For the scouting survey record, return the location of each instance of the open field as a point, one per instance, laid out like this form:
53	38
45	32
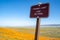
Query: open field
46	33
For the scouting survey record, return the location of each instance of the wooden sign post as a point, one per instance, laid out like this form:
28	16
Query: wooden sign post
39	11
37	29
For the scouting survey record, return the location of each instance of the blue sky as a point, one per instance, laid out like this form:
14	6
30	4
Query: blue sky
17	12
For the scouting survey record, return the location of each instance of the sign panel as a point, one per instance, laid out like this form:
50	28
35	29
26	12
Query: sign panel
40	10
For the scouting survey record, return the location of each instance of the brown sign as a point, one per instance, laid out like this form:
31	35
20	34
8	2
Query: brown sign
40	10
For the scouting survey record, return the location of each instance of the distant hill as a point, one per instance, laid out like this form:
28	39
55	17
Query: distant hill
51	25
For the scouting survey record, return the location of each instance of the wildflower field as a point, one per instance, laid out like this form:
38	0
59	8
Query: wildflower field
45	33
